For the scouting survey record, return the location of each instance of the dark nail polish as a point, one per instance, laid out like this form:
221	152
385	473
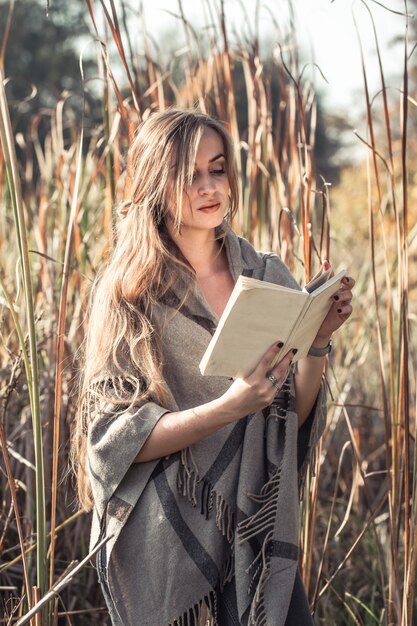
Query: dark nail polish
339	310
335	297
280	344
295	351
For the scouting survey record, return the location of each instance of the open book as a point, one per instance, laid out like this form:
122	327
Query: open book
258	314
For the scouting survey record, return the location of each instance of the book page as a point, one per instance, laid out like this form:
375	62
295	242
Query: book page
309	323
253	283
259	317
317	281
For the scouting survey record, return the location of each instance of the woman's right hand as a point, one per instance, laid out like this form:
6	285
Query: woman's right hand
256	391
177	430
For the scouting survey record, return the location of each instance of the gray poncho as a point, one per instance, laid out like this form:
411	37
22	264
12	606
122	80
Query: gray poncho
228	506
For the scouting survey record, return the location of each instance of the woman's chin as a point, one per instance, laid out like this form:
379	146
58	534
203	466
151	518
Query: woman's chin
208	218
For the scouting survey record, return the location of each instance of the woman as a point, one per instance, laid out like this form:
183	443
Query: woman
193	478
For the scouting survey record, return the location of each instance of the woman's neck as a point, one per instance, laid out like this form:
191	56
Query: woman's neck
202	251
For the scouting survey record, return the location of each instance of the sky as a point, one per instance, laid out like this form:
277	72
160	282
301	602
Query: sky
326	35
330	28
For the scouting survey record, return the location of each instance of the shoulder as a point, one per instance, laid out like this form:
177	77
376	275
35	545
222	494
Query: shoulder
261	265
277	272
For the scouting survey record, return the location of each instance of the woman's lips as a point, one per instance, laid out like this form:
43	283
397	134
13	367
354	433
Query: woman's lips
210	208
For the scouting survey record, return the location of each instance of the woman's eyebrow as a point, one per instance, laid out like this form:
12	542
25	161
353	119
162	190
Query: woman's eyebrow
218	156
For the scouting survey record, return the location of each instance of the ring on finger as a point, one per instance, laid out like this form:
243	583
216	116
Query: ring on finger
273	380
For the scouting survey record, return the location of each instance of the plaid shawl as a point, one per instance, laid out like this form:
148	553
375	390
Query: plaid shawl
228	506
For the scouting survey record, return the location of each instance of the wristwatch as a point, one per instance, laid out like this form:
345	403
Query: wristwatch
321	351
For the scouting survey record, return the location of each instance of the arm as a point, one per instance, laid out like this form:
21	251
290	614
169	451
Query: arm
175	431
307	379
180	429
310	369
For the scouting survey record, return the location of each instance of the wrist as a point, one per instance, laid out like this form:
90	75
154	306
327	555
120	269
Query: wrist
321	342
225	410
316	351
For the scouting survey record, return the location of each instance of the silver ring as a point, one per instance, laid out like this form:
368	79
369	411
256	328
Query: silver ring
273	380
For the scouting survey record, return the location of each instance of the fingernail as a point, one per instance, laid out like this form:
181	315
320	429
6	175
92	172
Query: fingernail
339	310
346	280
295	351
279	344
335	297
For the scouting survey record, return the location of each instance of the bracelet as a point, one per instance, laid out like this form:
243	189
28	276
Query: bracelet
320	351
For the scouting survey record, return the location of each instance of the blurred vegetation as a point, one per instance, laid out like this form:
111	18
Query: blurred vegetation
42	54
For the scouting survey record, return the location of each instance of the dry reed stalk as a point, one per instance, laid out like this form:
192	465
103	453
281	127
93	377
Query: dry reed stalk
408	589
6	34
36	596
113	23
121	104
329	524
343	390
397	428
40	601
351	614
305	168
110	183
353	547
33	547
230	106
59	354
393	489
12	486
7	142
309	521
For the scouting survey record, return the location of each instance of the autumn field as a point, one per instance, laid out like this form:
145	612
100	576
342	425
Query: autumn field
62	172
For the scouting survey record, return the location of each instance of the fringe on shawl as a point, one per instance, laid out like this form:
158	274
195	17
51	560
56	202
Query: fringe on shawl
188	484
187	476
263	521
203	613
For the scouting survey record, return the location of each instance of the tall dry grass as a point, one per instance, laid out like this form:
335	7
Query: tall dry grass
359	512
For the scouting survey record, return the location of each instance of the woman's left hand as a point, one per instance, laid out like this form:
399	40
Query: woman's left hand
341	308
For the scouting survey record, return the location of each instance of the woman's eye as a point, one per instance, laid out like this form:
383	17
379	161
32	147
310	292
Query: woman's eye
219	171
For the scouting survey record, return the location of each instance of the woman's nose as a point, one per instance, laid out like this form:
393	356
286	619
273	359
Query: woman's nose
206	184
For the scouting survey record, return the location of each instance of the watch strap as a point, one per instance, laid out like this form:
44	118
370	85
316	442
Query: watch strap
320	351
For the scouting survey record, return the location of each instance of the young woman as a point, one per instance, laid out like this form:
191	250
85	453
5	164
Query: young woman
194	479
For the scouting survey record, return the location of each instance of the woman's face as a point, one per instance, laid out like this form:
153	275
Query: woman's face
206	201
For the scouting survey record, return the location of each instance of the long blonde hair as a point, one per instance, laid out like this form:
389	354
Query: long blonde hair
122	355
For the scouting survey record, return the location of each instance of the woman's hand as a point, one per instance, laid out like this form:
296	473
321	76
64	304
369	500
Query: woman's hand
257	391
177	430
340	310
